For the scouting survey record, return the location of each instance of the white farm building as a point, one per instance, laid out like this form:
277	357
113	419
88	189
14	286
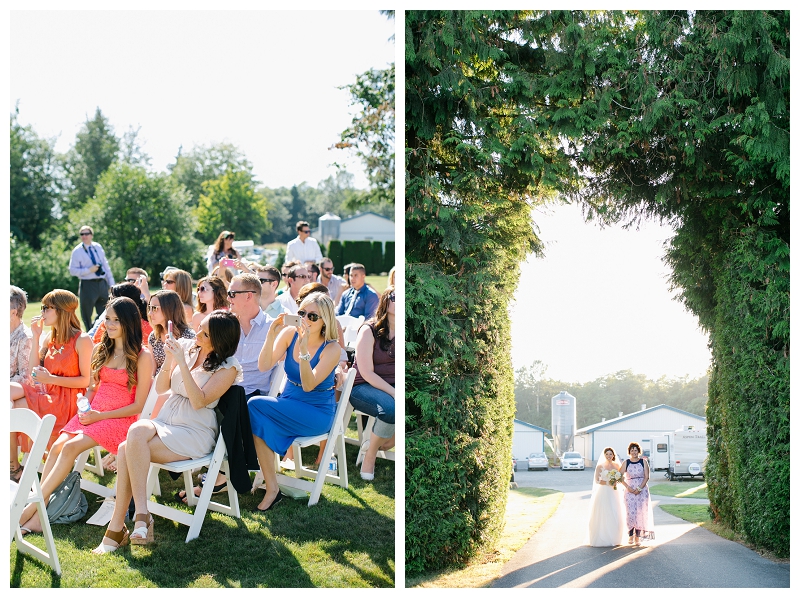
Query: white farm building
366	226
527	439
639	427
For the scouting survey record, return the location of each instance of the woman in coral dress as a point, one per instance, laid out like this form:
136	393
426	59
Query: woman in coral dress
58	372
118	362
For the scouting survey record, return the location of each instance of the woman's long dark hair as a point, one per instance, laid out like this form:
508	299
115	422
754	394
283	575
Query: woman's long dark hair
132	292
131	323
218	292
223	332
381	320
172	308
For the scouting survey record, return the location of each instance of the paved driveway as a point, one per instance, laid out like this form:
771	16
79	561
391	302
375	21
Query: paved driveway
682	555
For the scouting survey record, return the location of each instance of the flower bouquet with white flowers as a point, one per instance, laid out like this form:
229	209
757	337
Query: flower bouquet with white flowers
611	477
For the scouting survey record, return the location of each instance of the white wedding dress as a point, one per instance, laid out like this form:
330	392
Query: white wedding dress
606	513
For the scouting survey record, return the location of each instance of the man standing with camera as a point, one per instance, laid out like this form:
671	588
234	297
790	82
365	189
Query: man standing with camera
88	262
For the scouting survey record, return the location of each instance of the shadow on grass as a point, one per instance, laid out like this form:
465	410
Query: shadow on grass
346	540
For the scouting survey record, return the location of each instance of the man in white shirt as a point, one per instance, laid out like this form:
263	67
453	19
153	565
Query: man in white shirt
304	247
88	262
297	278
336	284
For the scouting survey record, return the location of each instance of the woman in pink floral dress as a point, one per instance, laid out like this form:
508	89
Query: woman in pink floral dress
121	374
637	497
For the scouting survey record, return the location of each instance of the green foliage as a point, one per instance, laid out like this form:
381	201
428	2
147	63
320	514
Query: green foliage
230	202
469	189
96	147
40	271
34	188
376	258
388	256
144	220
335	253
359	252
201	164
371	134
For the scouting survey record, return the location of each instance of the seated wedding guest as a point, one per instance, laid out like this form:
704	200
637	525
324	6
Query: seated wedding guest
137	277
127	289
391	277
211	295
373	388
180	281
59	371
196	375
116	400
20	336
270	278
166	306
360	299
223	248
307	405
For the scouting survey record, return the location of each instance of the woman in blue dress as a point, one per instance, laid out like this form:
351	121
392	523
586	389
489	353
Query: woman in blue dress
307	405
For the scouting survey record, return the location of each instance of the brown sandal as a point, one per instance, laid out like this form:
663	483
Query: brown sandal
121	538
142	535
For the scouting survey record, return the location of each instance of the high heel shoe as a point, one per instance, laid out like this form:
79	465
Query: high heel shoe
120	538
140	534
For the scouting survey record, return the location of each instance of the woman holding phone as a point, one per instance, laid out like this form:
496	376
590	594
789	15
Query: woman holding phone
165	307
308	403
223	248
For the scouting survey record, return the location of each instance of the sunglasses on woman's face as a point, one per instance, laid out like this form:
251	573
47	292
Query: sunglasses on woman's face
165	281
230	237
46	307
312	317
203	289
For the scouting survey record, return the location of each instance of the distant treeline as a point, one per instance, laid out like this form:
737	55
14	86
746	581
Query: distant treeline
606	396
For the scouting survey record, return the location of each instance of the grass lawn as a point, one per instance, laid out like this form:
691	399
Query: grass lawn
527	509
345	540
680	490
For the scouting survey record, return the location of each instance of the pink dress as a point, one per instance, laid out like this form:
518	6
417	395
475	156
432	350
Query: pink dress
110	395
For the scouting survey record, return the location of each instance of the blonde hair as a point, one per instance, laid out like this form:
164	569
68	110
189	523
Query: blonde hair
326	309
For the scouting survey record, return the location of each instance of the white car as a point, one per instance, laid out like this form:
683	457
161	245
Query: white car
538	461
571	460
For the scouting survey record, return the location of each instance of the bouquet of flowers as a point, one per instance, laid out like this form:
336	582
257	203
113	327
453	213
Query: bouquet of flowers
611	477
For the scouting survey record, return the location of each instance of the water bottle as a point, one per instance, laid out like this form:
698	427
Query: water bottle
83	404
39	386
333	465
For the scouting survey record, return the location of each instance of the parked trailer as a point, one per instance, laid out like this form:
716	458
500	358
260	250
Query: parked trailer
681	453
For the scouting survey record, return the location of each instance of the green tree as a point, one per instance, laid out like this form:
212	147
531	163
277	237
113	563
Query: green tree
34	183
371	133
96	147
473	173
201	164
230	202
145	220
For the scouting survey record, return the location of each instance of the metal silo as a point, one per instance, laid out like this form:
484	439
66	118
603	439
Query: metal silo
329	229
564	421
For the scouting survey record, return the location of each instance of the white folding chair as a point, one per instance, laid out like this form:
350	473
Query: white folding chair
216	461
335	440
364	431
29	489
350	322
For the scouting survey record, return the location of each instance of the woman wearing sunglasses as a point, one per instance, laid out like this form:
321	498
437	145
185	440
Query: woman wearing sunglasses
59	371
222	248
211	295
308	404
166	306
373	388
180	281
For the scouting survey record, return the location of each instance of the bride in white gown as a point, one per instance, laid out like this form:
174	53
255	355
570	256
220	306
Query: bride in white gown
607	506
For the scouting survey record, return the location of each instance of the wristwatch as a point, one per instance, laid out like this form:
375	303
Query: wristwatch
305	356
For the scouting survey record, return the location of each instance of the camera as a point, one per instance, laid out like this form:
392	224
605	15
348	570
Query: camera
100	271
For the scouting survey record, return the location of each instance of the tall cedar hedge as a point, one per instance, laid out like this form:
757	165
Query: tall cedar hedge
674	115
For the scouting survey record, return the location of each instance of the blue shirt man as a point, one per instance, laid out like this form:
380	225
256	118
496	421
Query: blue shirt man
359	299
88	262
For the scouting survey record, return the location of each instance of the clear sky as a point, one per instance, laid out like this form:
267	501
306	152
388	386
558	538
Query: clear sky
599	302
265	81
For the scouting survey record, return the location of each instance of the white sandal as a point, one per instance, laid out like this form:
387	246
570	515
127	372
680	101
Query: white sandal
362	452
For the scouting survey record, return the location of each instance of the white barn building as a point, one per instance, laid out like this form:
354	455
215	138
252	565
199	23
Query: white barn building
527	439
639	427
366	226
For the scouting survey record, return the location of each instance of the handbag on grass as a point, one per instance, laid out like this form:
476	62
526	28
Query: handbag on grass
68	504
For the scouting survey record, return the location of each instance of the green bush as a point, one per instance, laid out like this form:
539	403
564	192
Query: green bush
358	252
335	253
376	258
388	256
39	272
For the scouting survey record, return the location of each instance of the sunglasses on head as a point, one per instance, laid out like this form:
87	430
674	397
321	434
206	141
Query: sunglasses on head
312	317
232	294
